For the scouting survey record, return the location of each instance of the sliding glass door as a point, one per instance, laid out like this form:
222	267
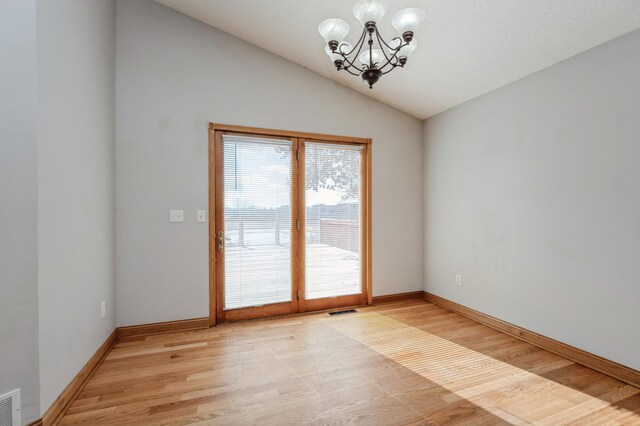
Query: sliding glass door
333	213
289	233
255	240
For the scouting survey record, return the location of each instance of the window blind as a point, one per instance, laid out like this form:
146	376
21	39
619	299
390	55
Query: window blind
333	225
257	191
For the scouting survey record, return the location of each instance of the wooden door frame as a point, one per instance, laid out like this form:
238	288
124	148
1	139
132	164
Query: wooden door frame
215	133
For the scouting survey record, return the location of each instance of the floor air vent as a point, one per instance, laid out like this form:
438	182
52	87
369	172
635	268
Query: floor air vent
10	408
348	311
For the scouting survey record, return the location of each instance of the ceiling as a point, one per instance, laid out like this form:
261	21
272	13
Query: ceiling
466	47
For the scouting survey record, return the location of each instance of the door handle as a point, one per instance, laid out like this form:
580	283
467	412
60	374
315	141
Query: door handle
221	241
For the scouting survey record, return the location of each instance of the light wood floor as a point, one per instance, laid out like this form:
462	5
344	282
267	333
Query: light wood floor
404	363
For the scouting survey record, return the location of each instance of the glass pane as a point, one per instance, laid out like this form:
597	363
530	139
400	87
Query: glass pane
257	221
333	242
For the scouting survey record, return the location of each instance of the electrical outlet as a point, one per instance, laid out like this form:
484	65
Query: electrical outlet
200	216
103	309
176	216
459	280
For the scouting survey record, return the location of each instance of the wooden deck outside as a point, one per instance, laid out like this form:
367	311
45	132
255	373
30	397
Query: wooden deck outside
331	271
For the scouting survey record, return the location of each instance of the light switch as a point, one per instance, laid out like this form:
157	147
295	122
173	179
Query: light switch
200	216
176	216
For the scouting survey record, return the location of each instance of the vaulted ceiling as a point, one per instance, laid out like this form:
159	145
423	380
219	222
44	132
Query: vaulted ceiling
466	47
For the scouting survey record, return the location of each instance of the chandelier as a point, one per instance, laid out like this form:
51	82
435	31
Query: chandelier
374	61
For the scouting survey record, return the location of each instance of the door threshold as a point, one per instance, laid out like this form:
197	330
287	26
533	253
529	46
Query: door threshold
295	314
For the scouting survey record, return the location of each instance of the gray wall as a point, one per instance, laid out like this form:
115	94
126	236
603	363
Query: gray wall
18	205
533	196
76	182
174	75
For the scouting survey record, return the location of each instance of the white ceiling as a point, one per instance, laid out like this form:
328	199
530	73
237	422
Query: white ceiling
466	47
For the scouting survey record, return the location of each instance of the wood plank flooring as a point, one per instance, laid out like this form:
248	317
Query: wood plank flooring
401	363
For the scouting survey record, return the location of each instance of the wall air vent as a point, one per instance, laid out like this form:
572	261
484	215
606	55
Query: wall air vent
10	408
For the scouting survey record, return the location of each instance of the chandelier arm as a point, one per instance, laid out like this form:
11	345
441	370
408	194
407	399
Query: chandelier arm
353	66
381	39
393	60
360	40
358	45
380	42
350	65
390	61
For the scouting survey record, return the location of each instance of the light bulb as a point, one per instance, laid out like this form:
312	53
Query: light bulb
407	21
333	29
370	10
376	54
